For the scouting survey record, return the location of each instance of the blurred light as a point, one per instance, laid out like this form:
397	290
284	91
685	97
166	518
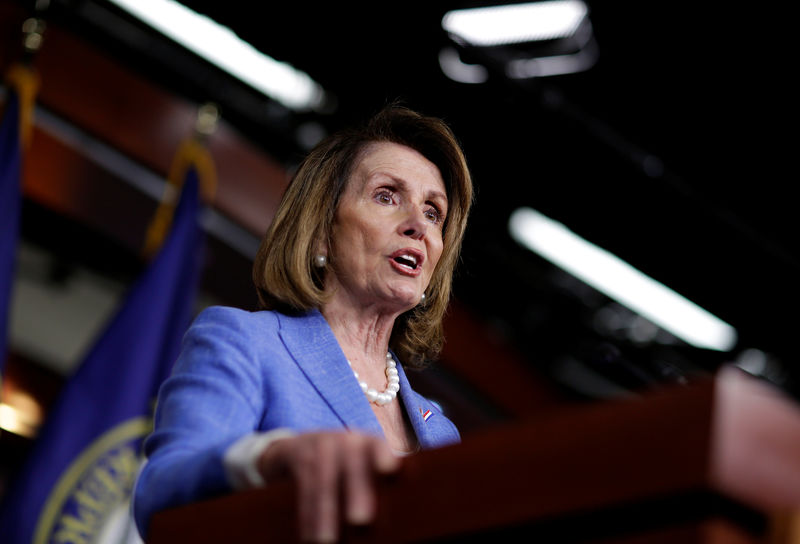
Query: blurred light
620	281
763	365
583	58
220	46
555	65
457	70
753	361
515	23
22	415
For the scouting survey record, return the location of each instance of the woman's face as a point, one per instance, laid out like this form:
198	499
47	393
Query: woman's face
387	233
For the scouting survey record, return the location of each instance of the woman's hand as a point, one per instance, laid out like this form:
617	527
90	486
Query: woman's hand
322	464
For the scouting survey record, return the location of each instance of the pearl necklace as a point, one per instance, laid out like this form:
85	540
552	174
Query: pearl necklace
387	395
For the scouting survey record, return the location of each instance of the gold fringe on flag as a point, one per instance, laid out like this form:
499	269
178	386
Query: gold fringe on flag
25	81
191	153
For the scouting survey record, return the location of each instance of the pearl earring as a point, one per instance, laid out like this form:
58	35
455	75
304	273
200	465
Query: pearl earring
422	299
320	261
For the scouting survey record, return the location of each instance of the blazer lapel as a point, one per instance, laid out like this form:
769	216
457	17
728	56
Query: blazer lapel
415	407
431	427
310	341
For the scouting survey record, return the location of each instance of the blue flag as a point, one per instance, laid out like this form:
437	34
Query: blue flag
10	202
80	473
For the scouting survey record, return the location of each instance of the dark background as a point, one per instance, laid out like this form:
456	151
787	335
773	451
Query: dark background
700	88
673	152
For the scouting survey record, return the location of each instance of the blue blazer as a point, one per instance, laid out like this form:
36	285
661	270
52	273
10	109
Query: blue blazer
240	372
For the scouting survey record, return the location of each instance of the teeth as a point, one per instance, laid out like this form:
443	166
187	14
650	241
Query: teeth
411	258
407	260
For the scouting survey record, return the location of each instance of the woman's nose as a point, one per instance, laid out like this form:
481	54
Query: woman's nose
415	226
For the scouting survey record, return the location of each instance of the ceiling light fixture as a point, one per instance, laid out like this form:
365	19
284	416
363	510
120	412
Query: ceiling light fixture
515	23
620	281
223	48
522	41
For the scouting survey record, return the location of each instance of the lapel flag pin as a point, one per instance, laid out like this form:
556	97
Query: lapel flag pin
426	415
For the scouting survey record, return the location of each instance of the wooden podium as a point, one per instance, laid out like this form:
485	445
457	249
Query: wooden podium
713	462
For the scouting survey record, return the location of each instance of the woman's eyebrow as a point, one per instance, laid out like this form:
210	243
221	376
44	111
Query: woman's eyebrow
438	195
403	184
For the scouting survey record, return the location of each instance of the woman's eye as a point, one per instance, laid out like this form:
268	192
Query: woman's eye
433	215
384	197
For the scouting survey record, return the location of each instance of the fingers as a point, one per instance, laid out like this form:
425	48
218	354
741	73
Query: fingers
367	455
317	476
384	461
327	468
359	494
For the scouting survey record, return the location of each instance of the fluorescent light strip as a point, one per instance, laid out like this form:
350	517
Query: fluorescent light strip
620	281
220	46
515	23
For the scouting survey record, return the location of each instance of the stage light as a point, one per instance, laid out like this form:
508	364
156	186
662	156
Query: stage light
620	281
521	41
515	23
21	414
223	48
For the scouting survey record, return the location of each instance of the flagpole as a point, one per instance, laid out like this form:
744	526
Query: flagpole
16	127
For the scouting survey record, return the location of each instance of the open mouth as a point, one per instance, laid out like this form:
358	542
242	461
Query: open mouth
409	261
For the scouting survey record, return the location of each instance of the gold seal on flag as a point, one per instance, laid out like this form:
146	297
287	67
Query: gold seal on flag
93	487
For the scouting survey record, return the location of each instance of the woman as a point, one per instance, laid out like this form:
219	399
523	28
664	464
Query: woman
354	276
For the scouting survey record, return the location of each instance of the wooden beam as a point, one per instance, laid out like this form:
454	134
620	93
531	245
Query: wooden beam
144	121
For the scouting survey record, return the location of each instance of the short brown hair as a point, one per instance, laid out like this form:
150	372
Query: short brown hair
283	273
